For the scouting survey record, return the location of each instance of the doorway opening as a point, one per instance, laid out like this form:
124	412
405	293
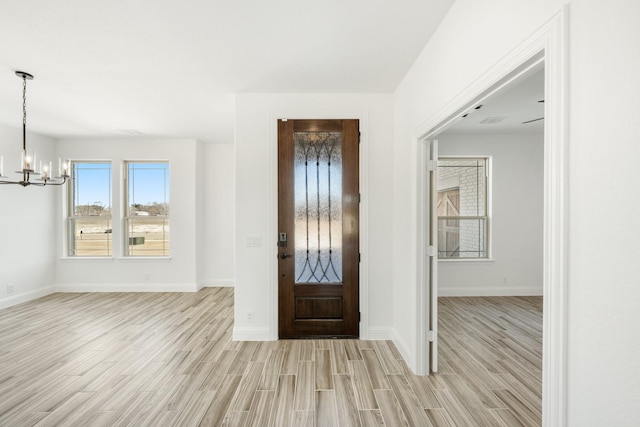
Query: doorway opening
490	181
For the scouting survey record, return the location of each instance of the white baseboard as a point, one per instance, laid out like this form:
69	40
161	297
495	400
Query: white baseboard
402	347
26	296
128	287
494	291
380	334
217	283
252	334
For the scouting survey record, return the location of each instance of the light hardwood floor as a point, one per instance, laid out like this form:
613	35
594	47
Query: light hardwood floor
161	359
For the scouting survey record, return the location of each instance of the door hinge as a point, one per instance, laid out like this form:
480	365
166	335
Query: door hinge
359	257
432	165
359	317
431	251
430	336
359	198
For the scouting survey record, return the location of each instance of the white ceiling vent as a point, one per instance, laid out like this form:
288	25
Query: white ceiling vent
492	120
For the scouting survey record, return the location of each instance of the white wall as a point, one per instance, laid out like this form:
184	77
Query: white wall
603	287
604	267
218	230
179	272
27	223
256	213
516	189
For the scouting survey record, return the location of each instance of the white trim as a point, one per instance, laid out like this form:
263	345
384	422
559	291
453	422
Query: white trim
243	333
421	356
556	230
380	334
549	44
127	287
363	117
402	348
217	283
26	296
488	291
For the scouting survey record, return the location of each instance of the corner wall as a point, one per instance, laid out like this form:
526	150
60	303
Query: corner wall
27	224
219	216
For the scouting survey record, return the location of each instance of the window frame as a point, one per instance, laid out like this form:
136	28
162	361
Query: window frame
486	200
71	249
126	217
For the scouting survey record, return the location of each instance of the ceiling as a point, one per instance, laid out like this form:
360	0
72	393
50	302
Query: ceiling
169	68
508	111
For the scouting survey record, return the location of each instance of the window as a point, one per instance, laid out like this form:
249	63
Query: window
147	209
90	209
463	223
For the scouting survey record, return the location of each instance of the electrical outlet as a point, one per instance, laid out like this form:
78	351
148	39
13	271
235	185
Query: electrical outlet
147	277
504	279
250	316
10	288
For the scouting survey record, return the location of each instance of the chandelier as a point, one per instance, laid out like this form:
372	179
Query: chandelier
28	168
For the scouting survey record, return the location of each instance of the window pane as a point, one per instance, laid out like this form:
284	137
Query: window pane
468	176
147	227
462	208
462	238
318	207
148	236
90	236
90	209
148	190
91	189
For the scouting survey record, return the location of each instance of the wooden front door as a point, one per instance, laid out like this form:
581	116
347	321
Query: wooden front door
318	220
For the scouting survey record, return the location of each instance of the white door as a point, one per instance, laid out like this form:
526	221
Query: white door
432	252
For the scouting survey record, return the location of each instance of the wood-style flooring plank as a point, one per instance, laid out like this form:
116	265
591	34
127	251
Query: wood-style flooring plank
390	409
346	401
326	409
283	402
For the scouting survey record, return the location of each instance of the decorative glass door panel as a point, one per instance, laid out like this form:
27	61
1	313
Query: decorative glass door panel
318	207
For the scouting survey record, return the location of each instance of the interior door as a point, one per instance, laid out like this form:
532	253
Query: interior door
433	255
318	220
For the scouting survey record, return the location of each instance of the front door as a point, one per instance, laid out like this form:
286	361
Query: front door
318	220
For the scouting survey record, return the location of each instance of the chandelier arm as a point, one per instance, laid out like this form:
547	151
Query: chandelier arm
52	182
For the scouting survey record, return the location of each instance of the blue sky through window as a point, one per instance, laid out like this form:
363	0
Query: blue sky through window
148	183
92	184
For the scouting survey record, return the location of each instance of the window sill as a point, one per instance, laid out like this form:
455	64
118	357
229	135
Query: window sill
144	258
86	258
447	260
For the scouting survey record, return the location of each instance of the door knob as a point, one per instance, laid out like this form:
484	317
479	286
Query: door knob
284	256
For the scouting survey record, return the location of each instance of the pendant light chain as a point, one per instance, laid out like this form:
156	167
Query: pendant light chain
24	101
24	112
